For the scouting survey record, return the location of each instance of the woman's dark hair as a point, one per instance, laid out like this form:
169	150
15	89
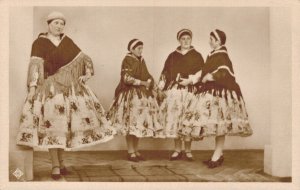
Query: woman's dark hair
49	21
221	35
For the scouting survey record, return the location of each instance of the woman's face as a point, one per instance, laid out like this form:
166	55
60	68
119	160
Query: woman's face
138	51
185	41
213	43
56	27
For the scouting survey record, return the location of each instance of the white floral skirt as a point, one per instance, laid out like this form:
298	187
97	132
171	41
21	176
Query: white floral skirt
66	120
215	115
133	113
172	111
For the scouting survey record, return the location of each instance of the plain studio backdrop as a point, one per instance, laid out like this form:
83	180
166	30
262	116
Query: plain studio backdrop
104	32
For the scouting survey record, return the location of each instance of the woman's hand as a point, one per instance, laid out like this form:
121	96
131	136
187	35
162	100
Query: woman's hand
84	78
207	77
185	82
146	84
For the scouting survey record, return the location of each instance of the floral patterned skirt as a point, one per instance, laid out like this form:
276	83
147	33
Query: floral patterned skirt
68	120
218	114
135	113
172	111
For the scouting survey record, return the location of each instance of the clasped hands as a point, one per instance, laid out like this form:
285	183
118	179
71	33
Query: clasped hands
188	81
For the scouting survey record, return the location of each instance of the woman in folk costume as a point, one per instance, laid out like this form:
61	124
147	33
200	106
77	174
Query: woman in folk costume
176	81
134	112
220	107
60	112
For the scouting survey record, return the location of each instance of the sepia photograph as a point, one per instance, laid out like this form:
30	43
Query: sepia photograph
150	93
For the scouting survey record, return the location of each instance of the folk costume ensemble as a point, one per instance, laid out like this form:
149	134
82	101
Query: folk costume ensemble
178	97
220	108
64	113
135	110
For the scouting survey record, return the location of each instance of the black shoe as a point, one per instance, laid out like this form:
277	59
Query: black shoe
132	157
178	157
139	156
213	164
63	171
206	162
55	176
189	158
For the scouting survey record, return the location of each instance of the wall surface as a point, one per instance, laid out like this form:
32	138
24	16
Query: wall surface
20	39
280	147
104	32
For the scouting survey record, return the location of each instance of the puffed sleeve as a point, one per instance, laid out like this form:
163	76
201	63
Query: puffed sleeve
127	73
88	66
35	74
